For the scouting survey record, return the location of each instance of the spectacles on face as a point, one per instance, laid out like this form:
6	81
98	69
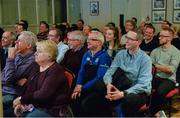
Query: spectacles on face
50	35
93	39
163	36
129	38
73	39
4	38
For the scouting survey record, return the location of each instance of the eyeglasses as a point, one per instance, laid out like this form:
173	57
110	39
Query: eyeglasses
163	36
129	38
93	39
50	35
73	39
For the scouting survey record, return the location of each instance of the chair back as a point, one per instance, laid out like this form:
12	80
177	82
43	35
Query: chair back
153	71
70	76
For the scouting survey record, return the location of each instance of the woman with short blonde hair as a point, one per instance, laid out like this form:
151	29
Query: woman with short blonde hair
47	93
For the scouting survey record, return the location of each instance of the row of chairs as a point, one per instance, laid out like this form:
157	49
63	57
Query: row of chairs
70	76
169	96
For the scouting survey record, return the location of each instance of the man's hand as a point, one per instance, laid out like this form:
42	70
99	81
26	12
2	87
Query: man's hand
16	102
77	92
18	110
113	93
22	82
12	52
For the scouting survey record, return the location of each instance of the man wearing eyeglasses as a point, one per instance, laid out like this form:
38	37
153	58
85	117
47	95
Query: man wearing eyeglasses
55	35
136	65
94	65
166	59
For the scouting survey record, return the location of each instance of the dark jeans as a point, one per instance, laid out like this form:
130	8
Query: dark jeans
94	103
131	104
8	110
160	88
91	104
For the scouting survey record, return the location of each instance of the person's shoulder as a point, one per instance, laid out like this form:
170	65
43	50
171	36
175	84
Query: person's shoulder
157	49
176	50
122	51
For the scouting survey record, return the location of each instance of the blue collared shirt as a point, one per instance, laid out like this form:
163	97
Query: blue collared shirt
62	49
137	68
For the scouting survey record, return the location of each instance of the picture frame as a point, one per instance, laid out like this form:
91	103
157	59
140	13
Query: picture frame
158	4
176	16
176	4
94	8
158	16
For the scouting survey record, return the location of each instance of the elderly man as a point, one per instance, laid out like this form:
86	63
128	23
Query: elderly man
94	65
56	36
136	65
8	40
19	64
150	41
73	57
166	59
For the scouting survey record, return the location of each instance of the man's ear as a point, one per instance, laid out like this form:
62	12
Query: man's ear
29	46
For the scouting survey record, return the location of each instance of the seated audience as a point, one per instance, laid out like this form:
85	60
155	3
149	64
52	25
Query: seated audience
94	64
141	26
86	30
1	32
25	23
112	40
80	24
129	26
150	41
134	19
20	27
176	39
7	41
43	31
19	64
164	24
55	35
137	66
73	57
47	93
166	59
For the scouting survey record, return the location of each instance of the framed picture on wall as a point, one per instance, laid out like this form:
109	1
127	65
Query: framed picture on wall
94	8
176	4
159	4
158	16
176	16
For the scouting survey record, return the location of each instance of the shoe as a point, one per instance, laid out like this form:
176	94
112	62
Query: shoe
162	114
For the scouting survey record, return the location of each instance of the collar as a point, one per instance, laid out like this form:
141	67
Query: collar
133	55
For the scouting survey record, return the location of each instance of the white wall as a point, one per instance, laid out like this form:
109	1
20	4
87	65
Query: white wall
0	13
73	9
109	10
104	13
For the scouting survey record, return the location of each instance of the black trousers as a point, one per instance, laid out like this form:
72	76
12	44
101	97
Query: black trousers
131	104
94	103
91	105
160	88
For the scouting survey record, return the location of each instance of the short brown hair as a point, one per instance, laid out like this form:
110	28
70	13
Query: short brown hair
171	31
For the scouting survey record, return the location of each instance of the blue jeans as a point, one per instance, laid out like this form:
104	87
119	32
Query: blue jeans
8	105
36	113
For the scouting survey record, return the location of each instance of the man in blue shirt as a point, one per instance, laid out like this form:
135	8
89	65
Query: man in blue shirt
55	35
137	66
94	65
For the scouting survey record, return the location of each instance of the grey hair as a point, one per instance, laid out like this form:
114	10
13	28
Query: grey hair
78	35
30	37
13	36
139	35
